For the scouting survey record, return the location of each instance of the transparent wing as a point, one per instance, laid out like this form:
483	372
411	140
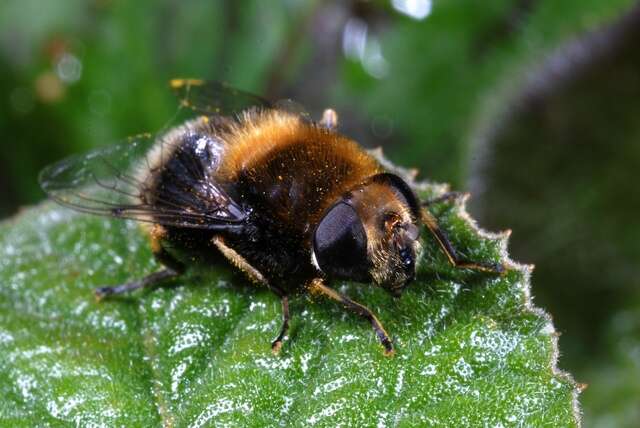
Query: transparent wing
214	98
109	182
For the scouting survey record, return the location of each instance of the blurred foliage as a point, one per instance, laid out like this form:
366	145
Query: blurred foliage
432	81
427	89
570	202
127	52
470	347
613	401
443	73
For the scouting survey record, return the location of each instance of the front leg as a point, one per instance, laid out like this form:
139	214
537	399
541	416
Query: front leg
317	286
445	244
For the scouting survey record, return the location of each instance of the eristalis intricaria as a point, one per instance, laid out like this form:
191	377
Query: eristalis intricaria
290	202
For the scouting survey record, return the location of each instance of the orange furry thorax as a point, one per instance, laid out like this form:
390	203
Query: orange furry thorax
262	134
298	167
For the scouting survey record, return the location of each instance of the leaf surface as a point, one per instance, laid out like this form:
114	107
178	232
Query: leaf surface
471	349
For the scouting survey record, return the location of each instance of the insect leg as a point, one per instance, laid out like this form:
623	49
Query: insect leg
284	328
443	240
147	281
254	274
317	286
238	261
173	269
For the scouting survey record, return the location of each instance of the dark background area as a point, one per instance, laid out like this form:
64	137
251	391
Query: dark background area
532	105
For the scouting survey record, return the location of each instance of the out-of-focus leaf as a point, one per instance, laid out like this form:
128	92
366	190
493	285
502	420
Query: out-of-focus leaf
471	348
574	132
446	71
614	402
125	53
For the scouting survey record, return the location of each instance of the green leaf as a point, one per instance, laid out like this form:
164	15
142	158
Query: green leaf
573	206
471	348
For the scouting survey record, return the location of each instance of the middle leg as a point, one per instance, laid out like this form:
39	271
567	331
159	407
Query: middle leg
276	345
256	276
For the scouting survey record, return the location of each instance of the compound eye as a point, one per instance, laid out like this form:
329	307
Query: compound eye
340	244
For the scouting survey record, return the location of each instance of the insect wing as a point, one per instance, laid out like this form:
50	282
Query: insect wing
108	182
214	98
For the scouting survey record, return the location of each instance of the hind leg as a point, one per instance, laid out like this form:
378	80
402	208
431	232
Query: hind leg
173	268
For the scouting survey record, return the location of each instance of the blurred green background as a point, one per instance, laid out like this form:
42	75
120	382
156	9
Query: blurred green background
532	105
